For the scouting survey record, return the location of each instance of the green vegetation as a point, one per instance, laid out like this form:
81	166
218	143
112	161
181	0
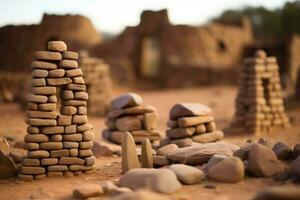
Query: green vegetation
269	24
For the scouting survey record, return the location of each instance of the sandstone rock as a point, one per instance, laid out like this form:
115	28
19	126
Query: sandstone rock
32	170
39	73
56	73
49	161
7	167
57	46
187	174
128	123
183	142
279	193
229	170
134	110
215	159
58	81
31	146
159	161
159	180
282	151
47	55
188	109
150	121
126	100
147	157
177	133
68	64
200	129
59	153
38	154
211	127
201	153
37	98
72	55
209	137
43	65
296	151
42	114
163	151
103	148
295	166
129	155
74	72
4	147
87	190
243	152
194	121
140	195
263	162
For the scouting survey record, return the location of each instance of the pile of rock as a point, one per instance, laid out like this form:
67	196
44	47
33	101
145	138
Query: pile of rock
259	103
98	81
191	122
58	144
127	113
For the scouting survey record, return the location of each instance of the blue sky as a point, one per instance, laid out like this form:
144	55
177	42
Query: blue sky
113	15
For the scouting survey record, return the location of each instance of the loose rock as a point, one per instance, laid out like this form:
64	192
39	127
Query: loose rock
187	174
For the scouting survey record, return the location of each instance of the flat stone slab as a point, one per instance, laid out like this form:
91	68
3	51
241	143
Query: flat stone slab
188	110
201	153
126	100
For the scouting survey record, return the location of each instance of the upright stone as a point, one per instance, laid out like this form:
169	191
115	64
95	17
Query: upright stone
147	157
129	155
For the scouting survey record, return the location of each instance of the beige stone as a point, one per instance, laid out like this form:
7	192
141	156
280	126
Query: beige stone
87	190
211	127
84	127
32	106
31	162
31	146
39	176
184	142
86	145
150	121
47	55
188	109
42	114
78	80
37	98
68	110
57	46
67	94
177	133
70	145
52	99
51	145
80	167
43	65
147	157
32	170
71	161
209	137
38	82
73	137
68	64
74	152
129	155
74	103
200	129
74	73
128	123
24	177
193	121
56	73
70	129
71	55
59	153
33	130
79	119
126	100
47	107
64	120
90	160
53	130
88	135
58	81
56	138
76	87
85	152
57	168
81	95
163	151
36	138
41	122
49	161
38	154
39	73
81	110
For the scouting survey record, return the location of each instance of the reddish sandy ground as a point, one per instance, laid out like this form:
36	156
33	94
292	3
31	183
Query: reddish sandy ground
220	99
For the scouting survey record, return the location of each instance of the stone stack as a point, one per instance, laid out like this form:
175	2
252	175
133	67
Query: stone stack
259	103
127	113
58	143
98	82
192	122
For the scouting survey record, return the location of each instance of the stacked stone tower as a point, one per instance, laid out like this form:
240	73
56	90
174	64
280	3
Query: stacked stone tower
259	103
58	143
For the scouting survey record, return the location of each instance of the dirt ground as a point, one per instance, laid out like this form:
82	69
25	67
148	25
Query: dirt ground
220	99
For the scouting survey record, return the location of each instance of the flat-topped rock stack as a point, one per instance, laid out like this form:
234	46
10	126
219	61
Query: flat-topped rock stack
259	103
58	143
98	82
192	122
127	113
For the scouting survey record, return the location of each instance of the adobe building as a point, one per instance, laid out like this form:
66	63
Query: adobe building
166	54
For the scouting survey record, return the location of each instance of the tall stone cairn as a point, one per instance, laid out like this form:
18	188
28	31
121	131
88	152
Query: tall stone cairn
127	113
58	143
259	103
191	122
98	82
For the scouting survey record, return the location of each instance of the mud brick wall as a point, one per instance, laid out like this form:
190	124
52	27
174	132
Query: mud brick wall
58	143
